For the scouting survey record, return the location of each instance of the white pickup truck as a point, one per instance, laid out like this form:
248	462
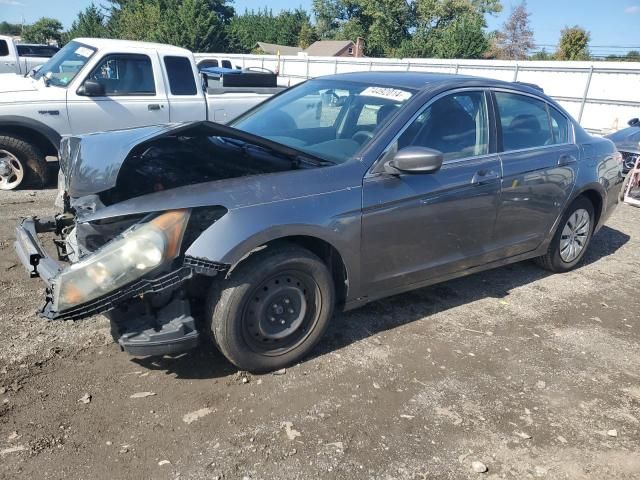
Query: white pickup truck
94	85
22	57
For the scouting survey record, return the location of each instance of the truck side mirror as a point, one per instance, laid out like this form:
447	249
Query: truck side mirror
91	88
634	122
415	160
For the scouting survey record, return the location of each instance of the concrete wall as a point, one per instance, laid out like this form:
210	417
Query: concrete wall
603	96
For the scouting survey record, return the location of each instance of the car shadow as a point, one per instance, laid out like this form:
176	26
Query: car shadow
378	316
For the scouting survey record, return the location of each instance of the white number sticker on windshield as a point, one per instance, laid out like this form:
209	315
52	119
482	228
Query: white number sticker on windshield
84	52
387	93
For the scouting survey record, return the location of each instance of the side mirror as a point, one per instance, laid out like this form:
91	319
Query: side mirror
415	160
634	122
91	88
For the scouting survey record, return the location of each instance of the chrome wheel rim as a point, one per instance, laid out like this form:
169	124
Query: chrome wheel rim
575	235
11	171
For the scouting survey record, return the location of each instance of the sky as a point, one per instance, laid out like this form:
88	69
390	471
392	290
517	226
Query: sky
612	24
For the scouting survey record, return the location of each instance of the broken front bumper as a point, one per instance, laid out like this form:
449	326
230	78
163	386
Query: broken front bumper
139	331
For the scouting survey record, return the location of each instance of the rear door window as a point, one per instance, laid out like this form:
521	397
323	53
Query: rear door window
4	48
181	81
524	122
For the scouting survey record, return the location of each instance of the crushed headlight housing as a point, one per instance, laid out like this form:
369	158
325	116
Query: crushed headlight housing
139	250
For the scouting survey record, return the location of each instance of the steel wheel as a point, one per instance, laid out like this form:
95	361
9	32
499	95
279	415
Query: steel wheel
575	235
11	171
281	312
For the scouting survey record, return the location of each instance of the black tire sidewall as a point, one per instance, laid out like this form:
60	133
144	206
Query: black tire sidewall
32	159
227	303
557	263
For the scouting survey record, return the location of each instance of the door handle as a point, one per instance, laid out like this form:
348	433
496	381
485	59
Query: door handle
484	176
154	106
566	159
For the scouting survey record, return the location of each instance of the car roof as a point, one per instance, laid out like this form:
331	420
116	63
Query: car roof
426	81
110	43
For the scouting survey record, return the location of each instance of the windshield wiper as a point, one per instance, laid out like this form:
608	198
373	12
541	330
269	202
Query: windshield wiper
295	156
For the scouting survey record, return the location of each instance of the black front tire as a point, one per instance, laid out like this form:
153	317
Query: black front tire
552	260
30	157
245	309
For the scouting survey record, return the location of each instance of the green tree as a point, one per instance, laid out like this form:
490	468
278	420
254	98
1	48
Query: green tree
462	38
91	22
541	55
191	24
306	36
574	44
7	28
44	30
136	20
633	56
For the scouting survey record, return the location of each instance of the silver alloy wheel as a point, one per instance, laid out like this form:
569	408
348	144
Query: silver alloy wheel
11	171
575	235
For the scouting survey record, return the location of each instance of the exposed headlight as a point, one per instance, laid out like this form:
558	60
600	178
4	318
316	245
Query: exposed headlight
137	252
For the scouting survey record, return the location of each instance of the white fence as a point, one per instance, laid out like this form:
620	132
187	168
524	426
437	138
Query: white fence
603	96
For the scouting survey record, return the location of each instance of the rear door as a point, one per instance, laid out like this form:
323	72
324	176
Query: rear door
539	161
134	95
186	99
422	226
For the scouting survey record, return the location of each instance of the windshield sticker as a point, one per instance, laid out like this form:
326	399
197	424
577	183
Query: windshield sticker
387	93
84	52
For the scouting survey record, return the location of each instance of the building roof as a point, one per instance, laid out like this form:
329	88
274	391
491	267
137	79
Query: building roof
328	48
273	49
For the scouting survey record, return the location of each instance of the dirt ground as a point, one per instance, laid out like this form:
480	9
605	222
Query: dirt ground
532	374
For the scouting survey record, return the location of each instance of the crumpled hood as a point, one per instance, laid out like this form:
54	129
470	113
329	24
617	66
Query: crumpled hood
90	163
11	83
626	140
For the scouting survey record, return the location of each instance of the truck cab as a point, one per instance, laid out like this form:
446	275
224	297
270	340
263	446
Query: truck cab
22	57
96	85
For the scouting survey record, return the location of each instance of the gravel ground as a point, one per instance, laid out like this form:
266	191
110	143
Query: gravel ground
531	374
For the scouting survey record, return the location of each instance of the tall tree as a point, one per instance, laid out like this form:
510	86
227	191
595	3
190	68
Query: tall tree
306	36
91	22
515	40
574	44
7	28
44	30
191	24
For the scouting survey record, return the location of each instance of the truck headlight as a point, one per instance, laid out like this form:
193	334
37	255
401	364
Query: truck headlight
135	253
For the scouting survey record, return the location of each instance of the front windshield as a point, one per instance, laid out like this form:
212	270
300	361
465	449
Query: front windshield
330	119
65	65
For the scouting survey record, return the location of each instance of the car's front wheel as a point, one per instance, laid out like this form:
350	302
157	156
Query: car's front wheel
271	309
572	237
21	163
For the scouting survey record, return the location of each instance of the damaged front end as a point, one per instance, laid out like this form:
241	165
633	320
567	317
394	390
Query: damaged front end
131	214
136	278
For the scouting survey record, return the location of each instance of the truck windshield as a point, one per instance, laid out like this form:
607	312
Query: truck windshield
330	119
65	65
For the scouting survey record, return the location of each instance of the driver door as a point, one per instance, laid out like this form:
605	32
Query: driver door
133	96
417	227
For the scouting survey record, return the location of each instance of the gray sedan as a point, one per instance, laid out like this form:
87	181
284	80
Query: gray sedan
334	193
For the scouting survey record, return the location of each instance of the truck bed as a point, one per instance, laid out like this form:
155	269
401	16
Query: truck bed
226	103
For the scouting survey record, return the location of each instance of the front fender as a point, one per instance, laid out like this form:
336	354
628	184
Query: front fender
332	217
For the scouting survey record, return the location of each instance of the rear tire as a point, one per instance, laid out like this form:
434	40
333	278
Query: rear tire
272	309
572	238
21	164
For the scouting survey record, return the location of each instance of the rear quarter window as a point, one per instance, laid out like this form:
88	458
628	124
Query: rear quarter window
4	48
180	74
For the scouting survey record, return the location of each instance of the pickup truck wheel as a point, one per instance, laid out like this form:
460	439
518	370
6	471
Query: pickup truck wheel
21	164
572	238
272	309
